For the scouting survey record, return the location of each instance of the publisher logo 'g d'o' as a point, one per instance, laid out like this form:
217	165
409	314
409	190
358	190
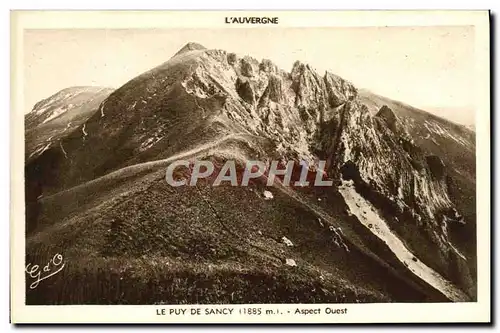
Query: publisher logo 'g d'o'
291	173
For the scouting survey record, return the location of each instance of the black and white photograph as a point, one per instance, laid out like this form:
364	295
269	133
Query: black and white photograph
251	163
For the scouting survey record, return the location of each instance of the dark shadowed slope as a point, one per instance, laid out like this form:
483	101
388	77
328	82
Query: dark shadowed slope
129	237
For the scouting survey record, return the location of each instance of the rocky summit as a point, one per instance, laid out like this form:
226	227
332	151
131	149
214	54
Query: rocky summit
398	226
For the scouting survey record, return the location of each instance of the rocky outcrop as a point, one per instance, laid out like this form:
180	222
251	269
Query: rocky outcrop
339	90
436	167
247	67
309	88
274	91
232	58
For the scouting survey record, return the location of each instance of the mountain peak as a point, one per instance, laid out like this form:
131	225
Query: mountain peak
191	46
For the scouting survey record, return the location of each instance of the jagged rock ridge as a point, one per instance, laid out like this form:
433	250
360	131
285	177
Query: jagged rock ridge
58	115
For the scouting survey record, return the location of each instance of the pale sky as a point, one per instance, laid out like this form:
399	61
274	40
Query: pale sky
427	67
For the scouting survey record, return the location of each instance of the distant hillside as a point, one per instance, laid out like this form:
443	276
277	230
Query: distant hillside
397	226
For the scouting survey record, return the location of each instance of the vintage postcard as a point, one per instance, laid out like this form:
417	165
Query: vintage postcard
250	167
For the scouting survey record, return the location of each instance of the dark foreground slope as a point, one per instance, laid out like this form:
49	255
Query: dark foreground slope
130	238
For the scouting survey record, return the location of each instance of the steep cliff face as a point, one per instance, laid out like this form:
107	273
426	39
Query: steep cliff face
215	104
58	115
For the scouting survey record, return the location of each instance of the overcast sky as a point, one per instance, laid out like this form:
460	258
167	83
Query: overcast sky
427	67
